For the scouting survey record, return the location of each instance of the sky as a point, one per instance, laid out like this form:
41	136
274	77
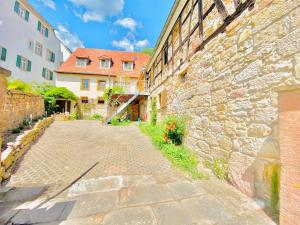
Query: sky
129	25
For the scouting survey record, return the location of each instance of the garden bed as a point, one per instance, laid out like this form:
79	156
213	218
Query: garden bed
21	143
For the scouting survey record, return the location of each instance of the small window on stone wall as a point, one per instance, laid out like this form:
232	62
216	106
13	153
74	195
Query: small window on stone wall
101	101
84	100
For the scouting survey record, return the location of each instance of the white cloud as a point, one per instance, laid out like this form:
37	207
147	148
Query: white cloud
69	39
130	46
49	3
142	44
128	23
97	10
1	22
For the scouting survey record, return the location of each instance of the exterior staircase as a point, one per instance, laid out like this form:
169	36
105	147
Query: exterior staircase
121	108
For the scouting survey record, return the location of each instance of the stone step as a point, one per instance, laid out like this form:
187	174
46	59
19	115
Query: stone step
143	200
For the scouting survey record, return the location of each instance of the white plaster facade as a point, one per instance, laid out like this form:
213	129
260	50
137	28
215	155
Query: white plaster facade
16	33
73	83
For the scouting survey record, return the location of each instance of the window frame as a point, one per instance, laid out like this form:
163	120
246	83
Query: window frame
127	62
105	60
81	60
38	46
99	85
83	85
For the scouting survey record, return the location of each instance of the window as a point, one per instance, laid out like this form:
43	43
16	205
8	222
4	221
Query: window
30	45
101	85
81	62
166	58
3	53
47	74
23	63
85	85
100	101
128	66
50	56
84	100
42	29
22	12
105	63
38	49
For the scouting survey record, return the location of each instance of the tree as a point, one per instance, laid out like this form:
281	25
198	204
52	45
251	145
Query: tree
148	51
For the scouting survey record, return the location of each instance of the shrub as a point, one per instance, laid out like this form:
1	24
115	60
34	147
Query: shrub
174	129
153	111
218	167
95	117
114	121
110	93
27	122
20	86
50	93
74	116
16	131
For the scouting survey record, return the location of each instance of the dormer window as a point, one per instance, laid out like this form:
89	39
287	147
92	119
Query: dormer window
127	66
81	62
105	63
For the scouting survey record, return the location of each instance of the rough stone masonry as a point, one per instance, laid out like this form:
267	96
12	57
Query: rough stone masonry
229	90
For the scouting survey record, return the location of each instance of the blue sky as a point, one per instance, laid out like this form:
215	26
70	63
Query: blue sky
129	25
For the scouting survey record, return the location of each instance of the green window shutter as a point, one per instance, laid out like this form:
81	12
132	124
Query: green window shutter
39	27
44	72
29	66
27	15
17	6
52	57
46	32
51	75
3	54
18	63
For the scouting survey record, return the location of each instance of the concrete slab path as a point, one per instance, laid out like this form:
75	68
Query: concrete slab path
132	184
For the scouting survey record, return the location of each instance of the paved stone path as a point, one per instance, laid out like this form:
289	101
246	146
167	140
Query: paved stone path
133	184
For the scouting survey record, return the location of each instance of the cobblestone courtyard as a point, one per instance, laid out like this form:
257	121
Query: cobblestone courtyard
132	184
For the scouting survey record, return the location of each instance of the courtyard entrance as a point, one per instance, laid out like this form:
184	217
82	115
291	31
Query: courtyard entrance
83	173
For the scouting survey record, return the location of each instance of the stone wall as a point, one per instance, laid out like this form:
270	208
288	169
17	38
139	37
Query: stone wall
15	150
19	106
228	91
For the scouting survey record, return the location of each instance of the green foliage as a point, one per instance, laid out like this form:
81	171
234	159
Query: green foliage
153	111
75	116
218	167
20	86
114	121
95	117
274	199
50	93
110	93
148	51
174	129
27	122
180	156
16	131
123	121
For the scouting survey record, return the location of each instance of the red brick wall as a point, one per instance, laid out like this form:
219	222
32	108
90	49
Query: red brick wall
289	131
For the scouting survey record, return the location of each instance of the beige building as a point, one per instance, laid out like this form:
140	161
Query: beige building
221	63
88	72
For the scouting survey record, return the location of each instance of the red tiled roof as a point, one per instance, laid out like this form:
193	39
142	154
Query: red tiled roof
93	68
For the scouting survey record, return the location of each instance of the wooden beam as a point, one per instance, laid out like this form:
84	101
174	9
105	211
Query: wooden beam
190	27
221	9
200	15
237	3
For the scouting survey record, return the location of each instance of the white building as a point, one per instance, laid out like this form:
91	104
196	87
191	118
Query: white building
28	45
